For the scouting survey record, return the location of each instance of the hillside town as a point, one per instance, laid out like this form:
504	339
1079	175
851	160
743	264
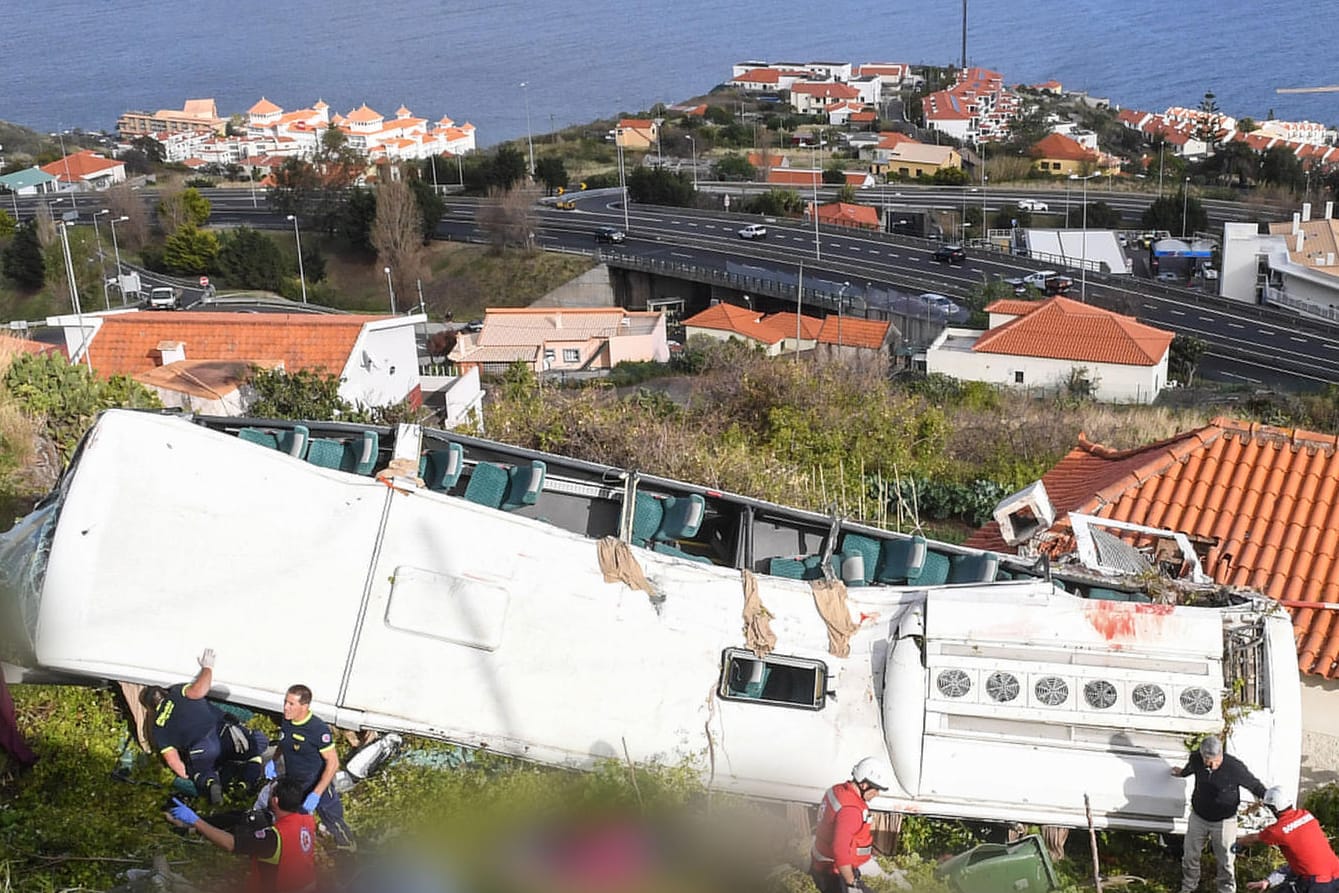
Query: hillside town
920	320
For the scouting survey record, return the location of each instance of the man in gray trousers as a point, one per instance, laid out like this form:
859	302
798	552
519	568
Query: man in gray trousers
1219	778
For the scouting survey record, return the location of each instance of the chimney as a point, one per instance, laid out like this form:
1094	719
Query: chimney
1306	211
1329	210
171	352
1301	237
1329	259
1296	223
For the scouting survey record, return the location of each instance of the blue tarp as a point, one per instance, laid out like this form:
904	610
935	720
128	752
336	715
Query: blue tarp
1177	248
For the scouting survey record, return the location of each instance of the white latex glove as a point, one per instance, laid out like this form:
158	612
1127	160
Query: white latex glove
207	659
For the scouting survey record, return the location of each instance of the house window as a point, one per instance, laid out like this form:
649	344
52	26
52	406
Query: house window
1018	377
571	355
777	680
548	355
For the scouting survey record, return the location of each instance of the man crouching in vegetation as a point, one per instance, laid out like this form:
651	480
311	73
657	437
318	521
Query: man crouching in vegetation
281	841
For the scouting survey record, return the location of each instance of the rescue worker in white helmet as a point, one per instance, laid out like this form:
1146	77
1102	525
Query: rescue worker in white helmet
843	847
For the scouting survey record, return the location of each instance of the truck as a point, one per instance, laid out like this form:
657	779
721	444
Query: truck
1046	281
163	298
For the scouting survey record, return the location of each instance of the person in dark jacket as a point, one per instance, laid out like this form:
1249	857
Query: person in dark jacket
1219	778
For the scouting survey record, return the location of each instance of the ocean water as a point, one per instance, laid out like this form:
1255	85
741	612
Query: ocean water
80	63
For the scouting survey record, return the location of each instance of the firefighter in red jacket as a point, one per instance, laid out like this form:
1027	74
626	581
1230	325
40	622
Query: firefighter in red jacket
843	844
282	851
1312	865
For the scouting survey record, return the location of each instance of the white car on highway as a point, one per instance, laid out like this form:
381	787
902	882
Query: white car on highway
753	231
1031	204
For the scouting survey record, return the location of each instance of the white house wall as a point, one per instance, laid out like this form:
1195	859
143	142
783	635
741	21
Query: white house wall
1114	383
382	368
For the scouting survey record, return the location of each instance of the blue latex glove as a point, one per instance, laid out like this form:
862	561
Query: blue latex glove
270	771
183	813
309	805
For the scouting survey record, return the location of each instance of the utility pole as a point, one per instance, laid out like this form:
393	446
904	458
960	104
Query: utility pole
964	35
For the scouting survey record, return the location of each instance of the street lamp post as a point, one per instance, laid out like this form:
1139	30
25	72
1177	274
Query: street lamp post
74	292
985	229
529	137
1185	199
390	287
1083	261
60	135
102	262
817	173
692	142
116	247
1160	147
841	299
302	274
623	185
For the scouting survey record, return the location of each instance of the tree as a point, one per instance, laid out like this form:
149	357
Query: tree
7	225
430	207
660	187
357	217
1282	167
1209	123
833	175
1101	216
133	232
248	259
846	193
508	217
1184	356
775	203
190	250
22	260
152	149
397	234
185	208
303	394
316	190
949	176
1167	213
551	172
735	167
509	166
718	114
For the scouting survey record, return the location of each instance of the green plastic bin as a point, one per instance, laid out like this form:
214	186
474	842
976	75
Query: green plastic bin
1019	867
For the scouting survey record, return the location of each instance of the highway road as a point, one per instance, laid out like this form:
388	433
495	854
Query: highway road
1247	343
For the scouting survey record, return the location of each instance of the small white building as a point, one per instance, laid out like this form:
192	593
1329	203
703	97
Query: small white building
1040	345
1295	265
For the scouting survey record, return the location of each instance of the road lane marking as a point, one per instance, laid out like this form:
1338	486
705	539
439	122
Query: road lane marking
1233	325
1298	340
679	254
1178	313
1266	332
1205	319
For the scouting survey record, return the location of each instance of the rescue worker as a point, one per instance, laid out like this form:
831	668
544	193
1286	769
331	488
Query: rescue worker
843	842
186	729
1313	866
310	759
1219	778
282	848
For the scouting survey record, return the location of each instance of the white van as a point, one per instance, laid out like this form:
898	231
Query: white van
163	298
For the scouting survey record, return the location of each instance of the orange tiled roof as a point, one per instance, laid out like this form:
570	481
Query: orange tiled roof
741	321
1269	496
264	107
785	322
787	176
127	344
854	332
80	164
847	214
362	114
1062	329
1013	306
1057	145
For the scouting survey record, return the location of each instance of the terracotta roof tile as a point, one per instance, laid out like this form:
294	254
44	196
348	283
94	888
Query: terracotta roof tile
1067	330
127	344
1270	496
854	332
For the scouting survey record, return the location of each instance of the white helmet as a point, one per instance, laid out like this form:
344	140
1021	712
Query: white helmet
874	771
1275	798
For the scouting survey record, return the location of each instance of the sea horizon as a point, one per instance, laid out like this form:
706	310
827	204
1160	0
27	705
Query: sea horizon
469	61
